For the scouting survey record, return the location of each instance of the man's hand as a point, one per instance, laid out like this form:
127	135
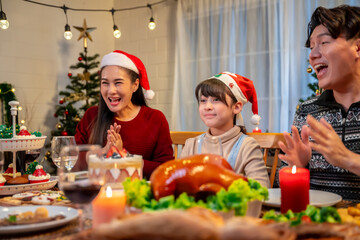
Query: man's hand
297	151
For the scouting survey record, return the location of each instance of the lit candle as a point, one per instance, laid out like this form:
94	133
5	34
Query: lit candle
294	185
257	130
108	205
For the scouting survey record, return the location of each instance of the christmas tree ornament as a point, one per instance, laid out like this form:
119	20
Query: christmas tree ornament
64	133
69	74
61	101
76	118
85	76
309	69
80	58
85	32
47	154
55	115
58	126
66	112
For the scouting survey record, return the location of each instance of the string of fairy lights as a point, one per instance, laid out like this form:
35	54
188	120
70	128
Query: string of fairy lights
4	23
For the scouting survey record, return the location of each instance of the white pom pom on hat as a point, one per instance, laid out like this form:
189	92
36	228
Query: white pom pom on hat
243	90
126	60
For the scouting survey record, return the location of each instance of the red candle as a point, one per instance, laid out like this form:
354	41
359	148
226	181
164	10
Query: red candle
294	185
257	130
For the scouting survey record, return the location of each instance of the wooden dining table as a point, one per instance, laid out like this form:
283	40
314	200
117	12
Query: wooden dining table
70	230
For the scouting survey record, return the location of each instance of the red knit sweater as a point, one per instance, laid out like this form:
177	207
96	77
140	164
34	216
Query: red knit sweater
147	135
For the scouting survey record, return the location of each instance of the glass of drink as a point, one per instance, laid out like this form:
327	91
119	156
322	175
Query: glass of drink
78	187
57	143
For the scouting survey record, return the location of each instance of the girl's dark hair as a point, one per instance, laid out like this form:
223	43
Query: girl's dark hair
215	88
105	117
342	19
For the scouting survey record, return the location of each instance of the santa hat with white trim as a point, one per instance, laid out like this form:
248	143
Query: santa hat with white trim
126	60
243	90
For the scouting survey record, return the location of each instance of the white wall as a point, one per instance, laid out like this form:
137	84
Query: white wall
155	48
35	58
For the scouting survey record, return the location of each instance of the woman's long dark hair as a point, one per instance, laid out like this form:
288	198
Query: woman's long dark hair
215	88
105	117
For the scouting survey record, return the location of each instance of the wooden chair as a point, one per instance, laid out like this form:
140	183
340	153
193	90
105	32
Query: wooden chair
179	138
269	141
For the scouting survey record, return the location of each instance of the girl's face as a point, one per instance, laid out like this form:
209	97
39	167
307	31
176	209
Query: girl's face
334	60
217	115
116	88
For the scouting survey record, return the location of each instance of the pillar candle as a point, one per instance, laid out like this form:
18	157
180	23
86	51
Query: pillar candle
108	205
294	185
257	130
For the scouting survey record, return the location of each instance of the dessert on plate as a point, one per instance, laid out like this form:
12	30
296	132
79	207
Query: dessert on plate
2	180
39	175
117	165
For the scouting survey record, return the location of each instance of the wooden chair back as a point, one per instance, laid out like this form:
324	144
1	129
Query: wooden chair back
269	141
179	138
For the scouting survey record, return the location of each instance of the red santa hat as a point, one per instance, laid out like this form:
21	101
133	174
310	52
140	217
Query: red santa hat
243	90
126	60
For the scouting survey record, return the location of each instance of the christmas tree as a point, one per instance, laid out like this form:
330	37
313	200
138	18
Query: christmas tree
83	90
80	94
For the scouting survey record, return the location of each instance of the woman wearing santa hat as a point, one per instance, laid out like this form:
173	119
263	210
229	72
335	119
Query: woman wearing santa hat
123	118
221	99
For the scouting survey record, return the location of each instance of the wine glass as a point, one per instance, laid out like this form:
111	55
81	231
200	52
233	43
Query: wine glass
80	189
212	145
57	143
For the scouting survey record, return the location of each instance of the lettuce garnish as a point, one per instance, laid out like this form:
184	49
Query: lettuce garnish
239	193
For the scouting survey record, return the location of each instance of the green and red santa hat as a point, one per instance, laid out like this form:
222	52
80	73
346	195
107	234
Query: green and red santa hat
126	60
243	90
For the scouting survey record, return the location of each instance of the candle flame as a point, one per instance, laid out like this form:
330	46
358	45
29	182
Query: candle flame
108	192
293	170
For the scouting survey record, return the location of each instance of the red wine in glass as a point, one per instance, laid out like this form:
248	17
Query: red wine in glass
81	192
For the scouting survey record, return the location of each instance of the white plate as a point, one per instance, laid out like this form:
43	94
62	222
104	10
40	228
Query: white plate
317	198
69	213
13	189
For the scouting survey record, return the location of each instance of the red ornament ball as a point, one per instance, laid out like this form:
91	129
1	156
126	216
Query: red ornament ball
80	58
69	74
66	112
61	101
55	115
64	133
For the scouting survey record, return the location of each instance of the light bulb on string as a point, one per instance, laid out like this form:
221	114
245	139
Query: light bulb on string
117	33
67	34
4	23
151	24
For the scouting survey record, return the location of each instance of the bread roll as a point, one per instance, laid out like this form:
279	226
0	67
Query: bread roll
18	180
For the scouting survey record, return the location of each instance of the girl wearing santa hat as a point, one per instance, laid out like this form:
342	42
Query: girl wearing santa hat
221	99
123	118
